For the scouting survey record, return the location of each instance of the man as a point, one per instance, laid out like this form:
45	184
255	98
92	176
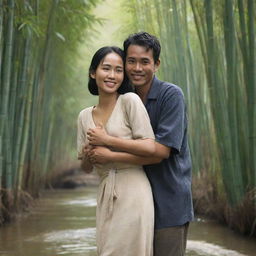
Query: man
169	169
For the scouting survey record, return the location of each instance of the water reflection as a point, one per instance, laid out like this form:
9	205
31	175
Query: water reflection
206	237
203	248
63	223
72	241
80	201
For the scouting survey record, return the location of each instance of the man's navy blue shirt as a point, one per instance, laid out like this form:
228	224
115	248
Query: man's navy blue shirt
170	179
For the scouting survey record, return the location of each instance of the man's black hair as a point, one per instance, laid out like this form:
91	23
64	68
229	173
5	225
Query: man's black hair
146	40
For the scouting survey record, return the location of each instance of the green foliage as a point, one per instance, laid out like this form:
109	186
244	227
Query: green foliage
40	45
208	48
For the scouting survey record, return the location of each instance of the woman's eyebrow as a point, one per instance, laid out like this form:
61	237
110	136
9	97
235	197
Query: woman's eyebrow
109	65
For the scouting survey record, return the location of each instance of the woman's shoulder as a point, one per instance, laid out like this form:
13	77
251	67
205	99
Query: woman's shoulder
84	112
130	97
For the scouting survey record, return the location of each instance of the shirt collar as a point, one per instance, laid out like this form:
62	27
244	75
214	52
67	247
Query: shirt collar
154	89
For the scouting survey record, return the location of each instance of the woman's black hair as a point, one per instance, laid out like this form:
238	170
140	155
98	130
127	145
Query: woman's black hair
96	59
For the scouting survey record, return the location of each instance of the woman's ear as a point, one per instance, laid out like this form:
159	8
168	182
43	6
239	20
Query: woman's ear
92	75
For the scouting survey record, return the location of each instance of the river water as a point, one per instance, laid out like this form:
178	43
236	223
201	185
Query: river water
63	223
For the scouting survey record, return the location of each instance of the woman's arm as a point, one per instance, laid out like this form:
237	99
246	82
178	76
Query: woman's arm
141	147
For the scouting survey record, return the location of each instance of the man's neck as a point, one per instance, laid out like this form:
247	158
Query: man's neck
143	91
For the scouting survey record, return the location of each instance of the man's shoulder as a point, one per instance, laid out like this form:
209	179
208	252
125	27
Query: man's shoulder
167	88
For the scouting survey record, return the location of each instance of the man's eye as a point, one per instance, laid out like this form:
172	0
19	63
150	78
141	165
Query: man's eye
130	61
119	70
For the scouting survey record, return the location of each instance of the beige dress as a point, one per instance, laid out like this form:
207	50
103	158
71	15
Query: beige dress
125	212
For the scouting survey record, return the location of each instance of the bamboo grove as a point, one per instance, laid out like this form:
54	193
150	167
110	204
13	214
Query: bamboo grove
208	48
38	51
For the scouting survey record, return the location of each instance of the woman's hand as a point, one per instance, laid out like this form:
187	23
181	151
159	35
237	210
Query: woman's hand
98	136
100	155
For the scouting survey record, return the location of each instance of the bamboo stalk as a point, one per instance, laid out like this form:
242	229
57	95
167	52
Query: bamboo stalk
41	87
1	40
27	110
200	33
251	91
1	89
230	47
243	37
6	81
7	65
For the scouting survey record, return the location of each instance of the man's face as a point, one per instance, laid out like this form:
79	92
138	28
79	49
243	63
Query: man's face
140	66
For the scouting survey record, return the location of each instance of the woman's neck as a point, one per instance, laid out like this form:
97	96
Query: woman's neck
102	112
107	100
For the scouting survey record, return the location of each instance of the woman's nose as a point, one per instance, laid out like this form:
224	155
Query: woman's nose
111	74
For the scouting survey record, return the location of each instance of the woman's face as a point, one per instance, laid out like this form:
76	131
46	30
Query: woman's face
109	74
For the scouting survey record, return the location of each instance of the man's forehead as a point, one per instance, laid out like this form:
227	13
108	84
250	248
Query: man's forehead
143	51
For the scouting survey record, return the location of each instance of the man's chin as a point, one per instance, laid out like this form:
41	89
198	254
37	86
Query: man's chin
137	83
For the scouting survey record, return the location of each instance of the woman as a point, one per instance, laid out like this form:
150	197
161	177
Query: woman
125	213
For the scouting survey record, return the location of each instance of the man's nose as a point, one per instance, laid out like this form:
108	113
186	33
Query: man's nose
138	66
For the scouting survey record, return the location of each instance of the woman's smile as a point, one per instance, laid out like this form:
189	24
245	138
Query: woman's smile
110	73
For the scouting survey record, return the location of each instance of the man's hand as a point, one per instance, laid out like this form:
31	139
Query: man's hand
86	150
86	164
100	155
98	136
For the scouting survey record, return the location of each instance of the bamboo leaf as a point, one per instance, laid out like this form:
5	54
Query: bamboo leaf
60	36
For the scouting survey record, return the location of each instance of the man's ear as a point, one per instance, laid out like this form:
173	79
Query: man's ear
157	64
92	75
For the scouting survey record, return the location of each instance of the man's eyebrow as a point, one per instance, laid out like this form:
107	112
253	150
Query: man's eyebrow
143	58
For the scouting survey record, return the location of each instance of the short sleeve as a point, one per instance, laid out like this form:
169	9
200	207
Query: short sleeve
137	117
171	124
81	137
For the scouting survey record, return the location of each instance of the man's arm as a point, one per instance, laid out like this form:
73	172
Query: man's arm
142	147
104	155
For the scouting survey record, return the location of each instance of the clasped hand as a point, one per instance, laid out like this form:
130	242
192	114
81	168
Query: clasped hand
98	136
97	154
